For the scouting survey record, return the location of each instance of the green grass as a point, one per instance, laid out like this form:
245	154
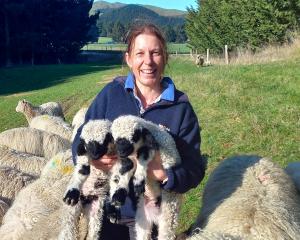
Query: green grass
104	45
103	40
252	109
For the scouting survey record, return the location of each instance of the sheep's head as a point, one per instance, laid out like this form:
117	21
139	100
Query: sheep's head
21	105
96	139
130	134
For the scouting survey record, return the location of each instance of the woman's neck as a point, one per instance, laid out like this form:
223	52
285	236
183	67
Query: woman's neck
148	95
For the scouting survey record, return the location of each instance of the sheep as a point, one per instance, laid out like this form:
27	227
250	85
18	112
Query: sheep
95	141
135	136
199	60
52	124
12	181
27	163
250	197
38	210
293	169
200	234
34	141
78	120
30	111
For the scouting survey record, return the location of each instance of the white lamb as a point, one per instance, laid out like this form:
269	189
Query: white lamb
34	141
25	162
78	120
137	138
30	111
52	124
293	169
95	141
250	197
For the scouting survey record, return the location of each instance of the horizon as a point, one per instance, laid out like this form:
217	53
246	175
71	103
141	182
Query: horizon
173	5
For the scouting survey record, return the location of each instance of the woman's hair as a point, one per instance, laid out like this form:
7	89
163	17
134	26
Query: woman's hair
146	28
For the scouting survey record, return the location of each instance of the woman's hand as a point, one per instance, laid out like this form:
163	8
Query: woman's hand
105	163
155	169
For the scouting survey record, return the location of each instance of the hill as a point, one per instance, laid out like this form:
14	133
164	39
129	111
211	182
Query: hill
104	6
134	13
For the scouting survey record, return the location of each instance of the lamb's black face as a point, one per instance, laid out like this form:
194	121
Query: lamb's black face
94	149
124	147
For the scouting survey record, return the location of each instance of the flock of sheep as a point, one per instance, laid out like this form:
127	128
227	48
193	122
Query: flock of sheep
246	197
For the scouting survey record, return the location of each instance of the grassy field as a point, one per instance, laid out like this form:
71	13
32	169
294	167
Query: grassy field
104	45
249	109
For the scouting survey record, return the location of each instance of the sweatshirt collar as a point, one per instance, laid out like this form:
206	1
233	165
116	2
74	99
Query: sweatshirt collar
168	92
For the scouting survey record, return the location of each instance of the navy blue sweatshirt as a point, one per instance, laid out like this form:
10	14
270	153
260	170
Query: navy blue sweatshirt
173	111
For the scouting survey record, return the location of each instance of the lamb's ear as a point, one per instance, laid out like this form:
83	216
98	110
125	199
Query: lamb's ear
148	137
137	135
81	148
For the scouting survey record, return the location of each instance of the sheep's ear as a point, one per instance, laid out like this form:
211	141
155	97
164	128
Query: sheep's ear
148	137
81	148
108	139
137	135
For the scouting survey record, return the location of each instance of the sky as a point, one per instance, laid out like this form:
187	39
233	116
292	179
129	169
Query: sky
169	4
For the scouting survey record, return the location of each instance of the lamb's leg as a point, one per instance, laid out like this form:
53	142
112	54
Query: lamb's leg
168	219
81	172
122	172
95	215
142	226
145	154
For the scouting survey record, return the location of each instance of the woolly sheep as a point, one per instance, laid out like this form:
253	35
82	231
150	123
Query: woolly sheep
293	169
250	197
135	136
95	141
30	111
52	124
38	210
78	120
199	60
34	141
12	181
24	162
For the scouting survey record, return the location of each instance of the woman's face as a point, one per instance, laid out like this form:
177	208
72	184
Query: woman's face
146	60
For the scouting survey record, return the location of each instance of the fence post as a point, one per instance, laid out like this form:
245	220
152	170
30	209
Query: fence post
226	54
207	56
191	53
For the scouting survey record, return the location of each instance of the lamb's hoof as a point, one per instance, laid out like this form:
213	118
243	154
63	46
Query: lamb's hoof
113	213
72	197
139	189
119	197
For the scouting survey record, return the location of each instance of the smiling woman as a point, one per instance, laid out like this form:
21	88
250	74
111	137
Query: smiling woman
145	92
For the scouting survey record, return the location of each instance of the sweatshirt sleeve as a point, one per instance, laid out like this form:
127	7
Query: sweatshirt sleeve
191	171
95	111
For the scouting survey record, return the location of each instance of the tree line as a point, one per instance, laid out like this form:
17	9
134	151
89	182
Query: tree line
43	31
241	24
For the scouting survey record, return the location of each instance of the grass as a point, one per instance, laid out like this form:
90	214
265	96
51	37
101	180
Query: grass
242	109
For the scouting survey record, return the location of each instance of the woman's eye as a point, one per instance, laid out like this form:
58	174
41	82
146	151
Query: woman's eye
139	53
156	53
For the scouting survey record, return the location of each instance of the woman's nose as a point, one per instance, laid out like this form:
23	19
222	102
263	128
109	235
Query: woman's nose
148	58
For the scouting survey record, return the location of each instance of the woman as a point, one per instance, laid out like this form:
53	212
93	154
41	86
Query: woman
146	93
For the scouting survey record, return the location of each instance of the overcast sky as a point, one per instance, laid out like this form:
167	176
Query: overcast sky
169	4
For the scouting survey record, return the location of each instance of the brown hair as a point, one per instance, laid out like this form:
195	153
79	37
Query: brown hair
147	28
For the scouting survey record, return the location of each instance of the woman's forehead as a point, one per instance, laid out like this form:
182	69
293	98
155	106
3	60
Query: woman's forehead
146	41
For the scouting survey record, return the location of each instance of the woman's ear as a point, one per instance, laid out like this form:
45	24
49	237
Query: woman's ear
128	59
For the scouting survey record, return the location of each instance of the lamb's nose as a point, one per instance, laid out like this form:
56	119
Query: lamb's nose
124	147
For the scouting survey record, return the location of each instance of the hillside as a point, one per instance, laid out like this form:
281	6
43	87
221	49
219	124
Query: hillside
104	6
134	13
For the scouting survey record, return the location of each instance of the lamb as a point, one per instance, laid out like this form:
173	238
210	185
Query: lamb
199	60
34	141
25	162
52	124
136	137
95	141
250	197
78	120
293	169
12	181
30	111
